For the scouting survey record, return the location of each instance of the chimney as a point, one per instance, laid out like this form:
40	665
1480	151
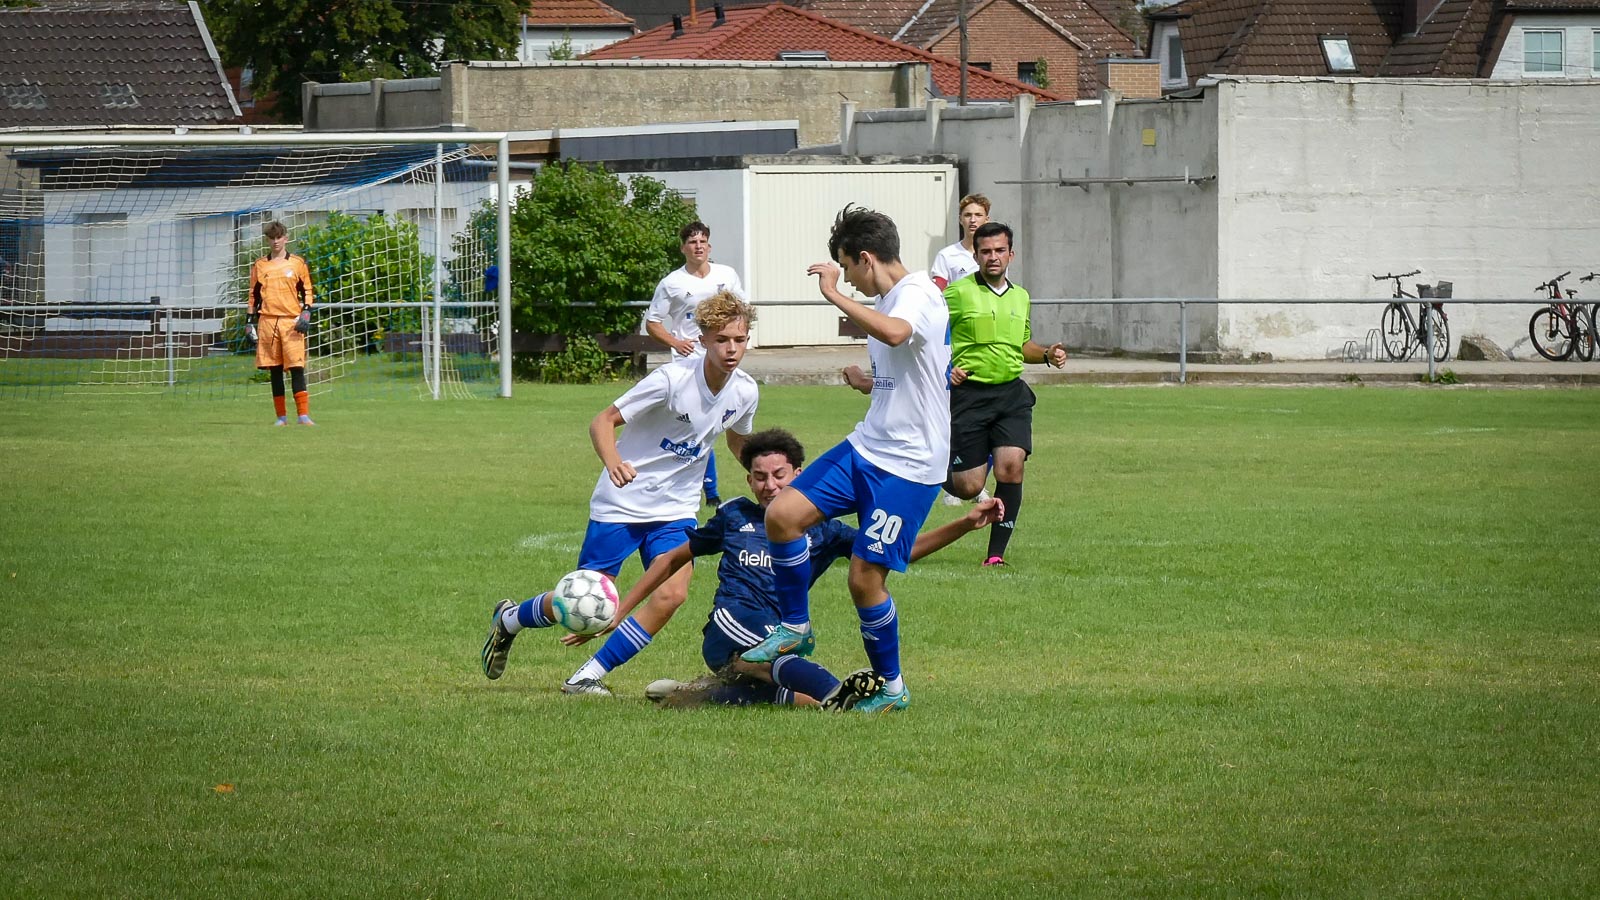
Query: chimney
721	19
694	9
1413	13
677	26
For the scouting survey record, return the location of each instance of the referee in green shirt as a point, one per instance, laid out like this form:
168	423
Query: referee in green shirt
991	407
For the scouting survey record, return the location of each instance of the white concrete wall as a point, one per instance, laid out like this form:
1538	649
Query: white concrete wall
1579	42
1323	183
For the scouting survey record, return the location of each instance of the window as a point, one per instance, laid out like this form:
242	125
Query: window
1595	65
247	87
987	67
23	96
1174	62
117	96
1542	52
1337	53
803	55
1028	73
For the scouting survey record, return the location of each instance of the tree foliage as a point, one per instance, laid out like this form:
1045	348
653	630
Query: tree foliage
294	41
583	244
356	259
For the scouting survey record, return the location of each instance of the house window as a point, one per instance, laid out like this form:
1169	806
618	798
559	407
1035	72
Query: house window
803	55
1595	65
1340	58
1542	52
987	67
1174	58
1028	73
23	96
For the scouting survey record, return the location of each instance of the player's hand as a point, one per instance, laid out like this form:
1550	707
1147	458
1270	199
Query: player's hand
985	513
622	474
302	324
856	378
684	348
1056	356
577	640
827	276
957	375
250	332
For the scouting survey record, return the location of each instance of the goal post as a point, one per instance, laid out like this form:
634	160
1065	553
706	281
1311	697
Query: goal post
125	260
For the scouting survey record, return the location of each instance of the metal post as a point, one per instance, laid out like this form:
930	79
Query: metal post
166	326
961	17
503	260
1427	337
1183	342
438	263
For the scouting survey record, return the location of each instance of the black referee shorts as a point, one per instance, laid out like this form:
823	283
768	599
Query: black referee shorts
986	416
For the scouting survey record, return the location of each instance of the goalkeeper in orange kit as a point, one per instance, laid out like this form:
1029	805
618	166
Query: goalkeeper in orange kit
279	318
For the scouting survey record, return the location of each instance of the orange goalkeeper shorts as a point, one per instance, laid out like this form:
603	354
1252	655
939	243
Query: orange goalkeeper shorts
278	344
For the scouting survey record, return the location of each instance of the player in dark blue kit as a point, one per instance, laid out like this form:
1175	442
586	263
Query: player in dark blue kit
745	608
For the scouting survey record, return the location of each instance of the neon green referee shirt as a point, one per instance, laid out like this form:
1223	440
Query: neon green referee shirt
987	330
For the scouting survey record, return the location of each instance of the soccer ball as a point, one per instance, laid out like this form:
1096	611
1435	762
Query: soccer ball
584	602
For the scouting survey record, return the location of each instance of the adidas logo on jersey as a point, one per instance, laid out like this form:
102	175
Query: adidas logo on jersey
875	546
684	417
747	527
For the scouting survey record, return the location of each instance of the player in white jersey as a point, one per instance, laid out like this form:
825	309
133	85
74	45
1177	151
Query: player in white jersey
958	260
889	469
670	318
648	494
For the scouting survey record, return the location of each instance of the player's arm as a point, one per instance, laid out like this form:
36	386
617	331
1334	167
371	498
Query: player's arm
982	515
735	442
1054	355
664	337
886	328
857	379
661	568
603	435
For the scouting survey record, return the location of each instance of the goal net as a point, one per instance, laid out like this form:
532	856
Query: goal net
125	267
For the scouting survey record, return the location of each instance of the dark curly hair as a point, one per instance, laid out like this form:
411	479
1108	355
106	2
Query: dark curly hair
773	440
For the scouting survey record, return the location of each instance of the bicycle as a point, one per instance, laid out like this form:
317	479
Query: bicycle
1404	335
1587	344
1556	329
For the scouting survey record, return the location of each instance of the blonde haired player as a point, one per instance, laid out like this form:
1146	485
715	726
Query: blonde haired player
279	316
646	498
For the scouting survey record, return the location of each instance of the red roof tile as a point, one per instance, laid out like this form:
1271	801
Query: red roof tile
762	32
574	12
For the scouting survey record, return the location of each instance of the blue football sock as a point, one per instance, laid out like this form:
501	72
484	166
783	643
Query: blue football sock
745	694
802	676
791	581
623	645
880	632
529	614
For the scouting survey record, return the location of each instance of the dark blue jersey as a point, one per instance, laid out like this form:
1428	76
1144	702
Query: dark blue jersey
744	576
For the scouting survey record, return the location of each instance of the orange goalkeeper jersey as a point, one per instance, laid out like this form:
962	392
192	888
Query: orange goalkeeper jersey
280	287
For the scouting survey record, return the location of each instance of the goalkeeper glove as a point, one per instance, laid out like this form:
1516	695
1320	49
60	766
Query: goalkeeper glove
303	324
250	329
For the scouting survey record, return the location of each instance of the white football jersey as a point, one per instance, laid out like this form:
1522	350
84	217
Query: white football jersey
672	421
953	263
907	428
679	293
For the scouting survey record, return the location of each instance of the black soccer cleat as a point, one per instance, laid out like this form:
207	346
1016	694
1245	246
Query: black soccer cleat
498	644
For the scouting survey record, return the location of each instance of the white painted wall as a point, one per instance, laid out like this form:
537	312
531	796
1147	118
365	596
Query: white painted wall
1579	33
536	42
1492	186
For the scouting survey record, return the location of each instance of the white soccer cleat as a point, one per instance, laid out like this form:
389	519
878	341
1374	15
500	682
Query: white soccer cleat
658	690
950	499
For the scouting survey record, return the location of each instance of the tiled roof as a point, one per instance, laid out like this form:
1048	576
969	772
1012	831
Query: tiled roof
1447	45
1281	37
885	18
129	62
762	32
575	13
648	14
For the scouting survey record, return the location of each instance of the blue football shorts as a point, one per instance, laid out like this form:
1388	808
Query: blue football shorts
607	545
890	509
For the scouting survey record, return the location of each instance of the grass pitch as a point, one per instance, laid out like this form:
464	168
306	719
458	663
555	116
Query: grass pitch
1254	641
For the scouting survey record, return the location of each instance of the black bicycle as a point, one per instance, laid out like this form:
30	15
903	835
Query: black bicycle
1590	337
1560	327
1403	335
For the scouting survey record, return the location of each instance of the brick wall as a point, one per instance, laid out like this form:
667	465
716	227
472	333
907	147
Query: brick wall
1003	35
1132	78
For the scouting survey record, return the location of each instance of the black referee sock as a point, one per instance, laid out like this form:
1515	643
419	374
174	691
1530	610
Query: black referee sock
1010	494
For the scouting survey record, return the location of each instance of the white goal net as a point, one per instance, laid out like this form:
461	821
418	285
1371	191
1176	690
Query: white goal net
125	267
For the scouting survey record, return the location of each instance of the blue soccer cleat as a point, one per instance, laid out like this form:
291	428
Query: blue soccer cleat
282	420
782	640
306	420
882	701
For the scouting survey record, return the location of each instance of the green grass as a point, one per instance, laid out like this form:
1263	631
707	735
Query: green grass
1254	641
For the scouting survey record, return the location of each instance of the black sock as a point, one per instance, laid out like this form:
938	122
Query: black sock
277	380
1010	494
297	377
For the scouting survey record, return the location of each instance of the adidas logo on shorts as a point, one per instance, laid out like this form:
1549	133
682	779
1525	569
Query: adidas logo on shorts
875	546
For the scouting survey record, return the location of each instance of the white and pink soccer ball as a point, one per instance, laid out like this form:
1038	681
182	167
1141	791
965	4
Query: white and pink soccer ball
584	601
